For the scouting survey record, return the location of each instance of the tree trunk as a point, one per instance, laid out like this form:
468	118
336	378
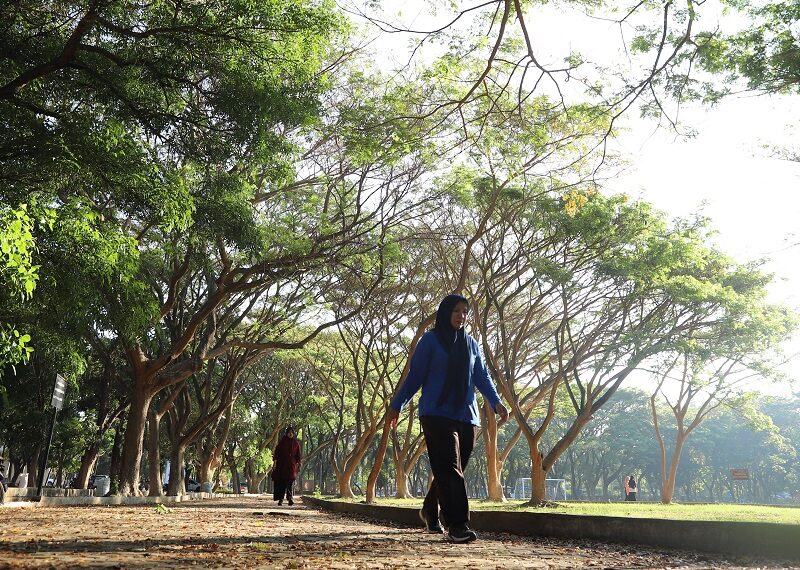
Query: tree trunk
33	466
254	478
59	482
216	479
88	459
351	464
207	467
154	455
254	484
234	475
345	488
115	469
134	440
377	465
401	479
494	465
211	452
538	475
573	479
16	469
668	484
177	485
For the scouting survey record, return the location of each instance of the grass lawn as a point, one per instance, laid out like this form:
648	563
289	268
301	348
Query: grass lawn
699	512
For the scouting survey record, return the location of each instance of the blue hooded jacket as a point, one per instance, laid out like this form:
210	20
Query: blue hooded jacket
428	371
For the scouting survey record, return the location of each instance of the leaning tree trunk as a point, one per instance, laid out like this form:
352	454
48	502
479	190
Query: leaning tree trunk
211	453
154	417
208	465
88	459
235	482
668	484
254	478
405	461
372	479
345	476
134	440
16	469
60	469
539	467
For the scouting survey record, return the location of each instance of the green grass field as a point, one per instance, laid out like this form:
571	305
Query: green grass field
697	512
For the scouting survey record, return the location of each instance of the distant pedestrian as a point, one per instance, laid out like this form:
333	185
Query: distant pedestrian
284	471
448	365
630	488
3	483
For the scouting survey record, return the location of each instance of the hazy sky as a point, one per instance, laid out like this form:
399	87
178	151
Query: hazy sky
751	196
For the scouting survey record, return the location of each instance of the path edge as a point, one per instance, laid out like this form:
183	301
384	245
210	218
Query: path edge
769	540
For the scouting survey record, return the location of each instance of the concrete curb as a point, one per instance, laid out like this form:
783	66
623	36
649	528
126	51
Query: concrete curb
51	501
768	540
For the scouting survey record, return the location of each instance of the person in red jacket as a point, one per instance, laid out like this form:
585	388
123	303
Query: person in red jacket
287	462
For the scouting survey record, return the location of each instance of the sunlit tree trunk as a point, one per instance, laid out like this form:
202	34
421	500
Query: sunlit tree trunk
494	463
88	459
376	466
133	446
154	454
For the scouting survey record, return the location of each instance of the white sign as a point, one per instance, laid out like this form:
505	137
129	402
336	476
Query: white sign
58	392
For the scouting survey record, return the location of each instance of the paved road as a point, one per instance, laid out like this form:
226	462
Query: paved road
253	532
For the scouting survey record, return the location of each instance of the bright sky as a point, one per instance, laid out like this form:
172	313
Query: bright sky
751	194
752	197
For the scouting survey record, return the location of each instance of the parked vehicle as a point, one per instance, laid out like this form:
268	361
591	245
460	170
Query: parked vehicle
188	484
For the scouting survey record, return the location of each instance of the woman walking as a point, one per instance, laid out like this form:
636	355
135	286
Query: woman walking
284	471
448	366
630	488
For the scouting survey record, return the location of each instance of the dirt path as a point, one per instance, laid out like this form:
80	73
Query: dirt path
253	532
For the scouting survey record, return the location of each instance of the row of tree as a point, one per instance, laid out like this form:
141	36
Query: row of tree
217	203
611	290
758	434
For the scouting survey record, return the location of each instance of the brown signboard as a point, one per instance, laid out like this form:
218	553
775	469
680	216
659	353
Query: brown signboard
740	474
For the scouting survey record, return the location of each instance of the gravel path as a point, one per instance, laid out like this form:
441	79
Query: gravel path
253	532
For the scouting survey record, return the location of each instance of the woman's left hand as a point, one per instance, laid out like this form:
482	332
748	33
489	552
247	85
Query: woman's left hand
501	410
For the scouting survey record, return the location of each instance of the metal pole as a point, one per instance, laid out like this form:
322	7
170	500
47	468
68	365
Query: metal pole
43	467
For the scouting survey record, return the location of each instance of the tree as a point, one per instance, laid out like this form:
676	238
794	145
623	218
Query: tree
713	368
124	133
102	401
764	51
19	276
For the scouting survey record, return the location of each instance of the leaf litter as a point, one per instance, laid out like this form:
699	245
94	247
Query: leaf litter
250	532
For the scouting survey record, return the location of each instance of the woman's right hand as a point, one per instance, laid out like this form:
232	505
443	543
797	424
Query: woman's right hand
391	417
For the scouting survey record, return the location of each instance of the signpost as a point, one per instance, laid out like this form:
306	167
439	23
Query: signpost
58	392
740	474
738	488
57	402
